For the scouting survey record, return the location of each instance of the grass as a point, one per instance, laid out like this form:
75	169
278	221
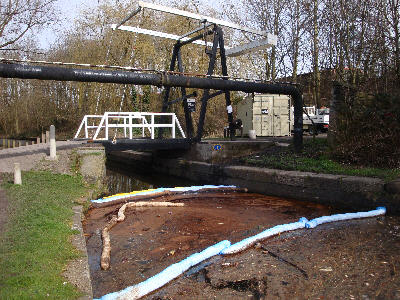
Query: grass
315	158
36	243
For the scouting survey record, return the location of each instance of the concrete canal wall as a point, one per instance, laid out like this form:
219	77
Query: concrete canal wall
349	192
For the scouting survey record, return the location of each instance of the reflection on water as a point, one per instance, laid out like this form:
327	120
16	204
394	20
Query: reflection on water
120	180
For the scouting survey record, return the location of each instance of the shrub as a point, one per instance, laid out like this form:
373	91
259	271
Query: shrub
367	130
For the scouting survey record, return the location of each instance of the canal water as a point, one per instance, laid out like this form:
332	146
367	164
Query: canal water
123	180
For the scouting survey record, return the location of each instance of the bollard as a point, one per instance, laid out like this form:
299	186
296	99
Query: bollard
38	140
47	136
252	134
43	138
53	142
17	174
13	143
8	143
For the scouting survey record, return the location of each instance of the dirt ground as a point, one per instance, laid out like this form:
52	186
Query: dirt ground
346	260
356	259
353	259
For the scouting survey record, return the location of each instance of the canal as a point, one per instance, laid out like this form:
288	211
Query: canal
152	238
123	180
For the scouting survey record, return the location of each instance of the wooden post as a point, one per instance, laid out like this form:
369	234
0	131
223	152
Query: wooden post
43	137
47	136
38	140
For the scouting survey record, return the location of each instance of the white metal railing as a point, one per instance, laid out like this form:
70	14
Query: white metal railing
143	120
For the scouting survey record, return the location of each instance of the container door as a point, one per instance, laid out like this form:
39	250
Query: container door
267	115
281	116
257	125
257	120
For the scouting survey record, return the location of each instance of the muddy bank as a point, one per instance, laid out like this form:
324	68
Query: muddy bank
358	259
151	239
346	260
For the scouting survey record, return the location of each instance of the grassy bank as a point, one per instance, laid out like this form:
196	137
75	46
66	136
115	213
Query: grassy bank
315	158
36	243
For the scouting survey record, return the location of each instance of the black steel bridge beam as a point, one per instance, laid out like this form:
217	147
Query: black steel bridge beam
23	71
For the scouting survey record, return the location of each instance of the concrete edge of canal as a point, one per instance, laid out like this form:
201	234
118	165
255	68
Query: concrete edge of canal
77	271
349	192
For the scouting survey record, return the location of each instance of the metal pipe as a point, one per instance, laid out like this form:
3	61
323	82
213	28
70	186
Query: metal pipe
203	27
73	74
167	80
216	94
195	38
124	77
194	94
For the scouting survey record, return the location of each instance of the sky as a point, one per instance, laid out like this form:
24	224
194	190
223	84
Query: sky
69	9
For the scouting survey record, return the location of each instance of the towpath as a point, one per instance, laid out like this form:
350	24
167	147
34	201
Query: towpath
30	156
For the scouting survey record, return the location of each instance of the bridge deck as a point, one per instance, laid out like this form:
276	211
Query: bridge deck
145	144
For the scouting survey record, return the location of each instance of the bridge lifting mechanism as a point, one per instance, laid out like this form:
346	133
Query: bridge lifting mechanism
209	27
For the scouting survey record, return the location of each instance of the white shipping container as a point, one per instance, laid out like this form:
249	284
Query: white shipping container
267	114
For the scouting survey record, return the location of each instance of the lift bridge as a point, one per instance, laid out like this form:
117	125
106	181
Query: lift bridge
211	84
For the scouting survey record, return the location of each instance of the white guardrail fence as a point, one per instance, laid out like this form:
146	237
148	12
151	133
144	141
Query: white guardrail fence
127	121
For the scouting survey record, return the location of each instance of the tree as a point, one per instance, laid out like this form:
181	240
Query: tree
391	13
20	17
